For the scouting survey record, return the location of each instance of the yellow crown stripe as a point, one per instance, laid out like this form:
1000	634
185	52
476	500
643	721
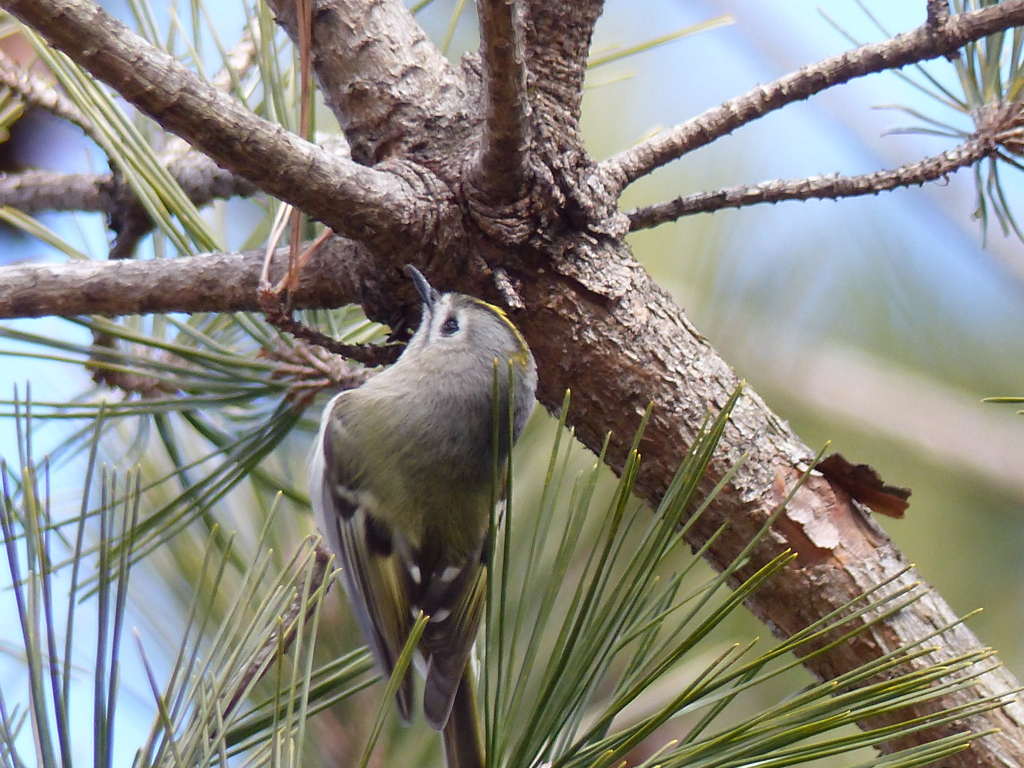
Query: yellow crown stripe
500	313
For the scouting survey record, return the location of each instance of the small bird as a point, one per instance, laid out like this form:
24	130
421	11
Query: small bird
402	478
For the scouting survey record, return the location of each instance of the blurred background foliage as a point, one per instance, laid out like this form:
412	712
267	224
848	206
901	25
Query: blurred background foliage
877	323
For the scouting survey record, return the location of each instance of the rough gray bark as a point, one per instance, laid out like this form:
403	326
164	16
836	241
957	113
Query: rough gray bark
228	281
553	246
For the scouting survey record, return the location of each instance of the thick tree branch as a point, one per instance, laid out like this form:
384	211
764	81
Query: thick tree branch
501	166
558	36
351	199
36	191
628	345
925	42
222	282
384	80
819	187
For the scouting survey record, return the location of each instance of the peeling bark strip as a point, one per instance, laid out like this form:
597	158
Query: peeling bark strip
595	320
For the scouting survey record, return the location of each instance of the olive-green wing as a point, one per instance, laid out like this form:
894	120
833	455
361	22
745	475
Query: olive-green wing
364	547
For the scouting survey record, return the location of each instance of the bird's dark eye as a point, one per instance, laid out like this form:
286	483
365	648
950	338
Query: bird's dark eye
450	327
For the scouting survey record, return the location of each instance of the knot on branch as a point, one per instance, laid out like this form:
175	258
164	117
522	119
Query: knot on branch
1001	125
433	219
595	199
938	15
591	197
567	185
516	221
588	195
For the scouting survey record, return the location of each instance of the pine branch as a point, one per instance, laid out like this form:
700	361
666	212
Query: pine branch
221	282
36	191
383	79
558	34
925	42
350	198
815	188
501	166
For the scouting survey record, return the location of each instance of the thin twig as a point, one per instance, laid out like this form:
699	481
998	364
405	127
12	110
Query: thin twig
38	92
370	355
291	281
275	644
814	188
919	44
275	301
310	369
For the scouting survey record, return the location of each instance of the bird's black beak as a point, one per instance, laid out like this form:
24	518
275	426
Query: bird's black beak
428	294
